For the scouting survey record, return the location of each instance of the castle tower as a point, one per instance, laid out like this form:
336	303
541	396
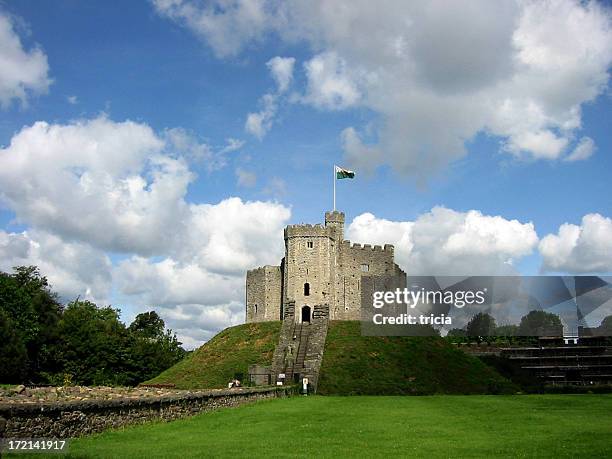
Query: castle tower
335	220
308	276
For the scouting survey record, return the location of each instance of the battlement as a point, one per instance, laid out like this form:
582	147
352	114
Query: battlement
367	247
334	216
307	230
263	269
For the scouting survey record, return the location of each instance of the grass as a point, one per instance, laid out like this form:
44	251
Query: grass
430	426
378	365
352	364
227	354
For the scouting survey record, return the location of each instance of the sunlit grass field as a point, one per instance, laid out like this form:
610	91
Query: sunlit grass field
375	426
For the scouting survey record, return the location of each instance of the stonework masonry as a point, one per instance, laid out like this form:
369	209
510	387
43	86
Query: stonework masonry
264	287
77	418
319	268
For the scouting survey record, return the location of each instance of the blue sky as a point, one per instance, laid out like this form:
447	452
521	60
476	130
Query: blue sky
426	120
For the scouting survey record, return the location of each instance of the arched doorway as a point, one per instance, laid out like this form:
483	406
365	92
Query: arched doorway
305	314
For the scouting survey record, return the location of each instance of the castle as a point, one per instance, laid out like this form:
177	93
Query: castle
319	268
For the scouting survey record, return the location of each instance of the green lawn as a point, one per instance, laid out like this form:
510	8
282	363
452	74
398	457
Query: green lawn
376	426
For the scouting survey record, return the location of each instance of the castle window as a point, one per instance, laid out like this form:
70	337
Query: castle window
309	244
365	268
255	309
306	289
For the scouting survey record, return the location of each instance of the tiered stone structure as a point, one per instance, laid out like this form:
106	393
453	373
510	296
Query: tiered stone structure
319	268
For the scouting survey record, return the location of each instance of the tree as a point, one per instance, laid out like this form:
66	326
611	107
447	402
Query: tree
482	324
148	324
457	332
537	323
152	349
34	311
94	345
13	355
507	330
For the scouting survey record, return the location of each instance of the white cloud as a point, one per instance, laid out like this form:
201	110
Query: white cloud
200	284
72	100
259	123
96	185
21	72
225	25
246	178
233	236
542	144
585	148
98	181
281	69
585	248
329	84
72	269
446	242
437	73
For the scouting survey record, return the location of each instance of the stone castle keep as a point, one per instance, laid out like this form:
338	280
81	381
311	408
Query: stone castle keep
319	268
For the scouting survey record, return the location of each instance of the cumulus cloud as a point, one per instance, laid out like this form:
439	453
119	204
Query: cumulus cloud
98	181
22	72
584	248
435	73
446	242
329	84
204	274
99	185
73	269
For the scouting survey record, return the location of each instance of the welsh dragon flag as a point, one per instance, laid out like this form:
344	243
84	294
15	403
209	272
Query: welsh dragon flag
344	173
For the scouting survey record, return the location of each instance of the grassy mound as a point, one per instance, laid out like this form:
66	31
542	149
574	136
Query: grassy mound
355	365
352	364
220	359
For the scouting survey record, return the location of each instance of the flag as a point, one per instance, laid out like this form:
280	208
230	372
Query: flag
344	173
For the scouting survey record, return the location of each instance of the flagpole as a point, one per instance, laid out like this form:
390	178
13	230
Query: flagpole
334	187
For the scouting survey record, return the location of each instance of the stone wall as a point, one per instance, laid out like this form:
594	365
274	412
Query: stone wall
379	262
263	294
77	418
316	345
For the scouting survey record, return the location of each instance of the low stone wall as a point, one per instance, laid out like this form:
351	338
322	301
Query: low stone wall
77	418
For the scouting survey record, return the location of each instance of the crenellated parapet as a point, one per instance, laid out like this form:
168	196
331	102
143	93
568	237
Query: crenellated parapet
307	231
367	247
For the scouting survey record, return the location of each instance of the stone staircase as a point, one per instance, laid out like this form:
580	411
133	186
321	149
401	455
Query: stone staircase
305	342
